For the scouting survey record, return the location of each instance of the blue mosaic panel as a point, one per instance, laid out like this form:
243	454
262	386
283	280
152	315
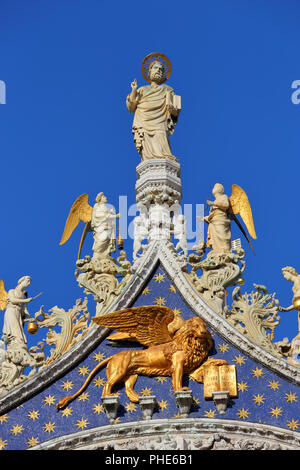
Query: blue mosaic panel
263	397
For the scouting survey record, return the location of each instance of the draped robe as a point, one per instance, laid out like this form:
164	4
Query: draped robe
14	316
152	122
103	225
219	228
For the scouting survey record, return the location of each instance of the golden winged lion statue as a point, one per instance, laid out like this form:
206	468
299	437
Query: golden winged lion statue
223	210
174	347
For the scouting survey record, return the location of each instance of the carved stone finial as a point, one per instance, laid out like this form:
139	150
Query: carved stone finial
221	400
111	405
147	404
184	400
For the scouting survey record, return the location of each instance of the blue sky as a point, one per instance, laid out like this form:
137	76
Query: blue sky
65	129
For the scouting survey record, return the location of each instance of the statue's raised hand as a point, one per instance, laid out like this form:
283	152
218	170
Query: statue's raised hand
134	85
135	95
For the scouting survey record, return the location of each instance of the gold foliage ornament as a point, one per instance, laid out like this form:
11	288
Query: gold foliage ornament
174	347
239	204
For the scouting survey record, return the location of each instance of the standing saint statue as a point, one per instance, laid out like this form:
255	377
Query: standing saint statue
156	109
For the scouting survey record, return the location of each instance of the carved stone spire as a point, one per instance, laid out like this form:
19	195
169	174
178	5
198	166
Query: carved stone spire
158	196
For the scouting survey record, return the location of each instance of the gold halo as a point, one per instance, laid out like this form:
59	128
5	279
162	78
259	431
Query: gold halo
161	58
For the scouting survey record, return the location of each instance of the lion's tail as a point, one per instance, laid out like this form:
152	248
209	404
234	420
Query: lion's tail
66	400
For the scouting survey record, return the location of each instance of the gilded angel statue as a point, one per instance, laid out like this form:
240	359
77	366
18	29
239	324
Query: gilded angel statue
99	219
174	347
222	211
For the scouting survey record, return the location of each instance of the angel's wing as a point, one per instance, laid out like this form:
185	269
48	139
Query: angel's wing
85	230
148	324
3	296
80	211
240	205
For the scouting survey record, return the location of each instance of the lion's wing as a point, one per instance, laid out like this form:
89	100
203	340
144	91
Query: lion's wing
148	324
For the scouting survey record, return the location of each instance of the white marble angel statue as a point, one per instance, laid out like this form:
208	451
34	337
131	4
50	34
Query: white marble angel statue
141	231
291	275
179	232
156	109
15	302
99	219
159	222
222	211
